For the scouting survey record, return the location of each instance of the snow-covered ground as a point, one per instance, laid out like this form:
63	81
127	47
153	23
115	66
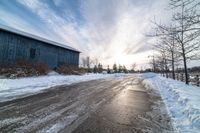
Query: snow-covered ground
182	101
15	88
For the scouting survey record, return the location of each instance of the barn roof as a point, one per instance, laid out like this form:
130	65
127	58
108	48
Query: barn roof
22	33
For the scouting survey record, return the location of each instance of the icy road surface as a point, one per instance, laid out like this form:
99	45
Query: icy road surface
118	104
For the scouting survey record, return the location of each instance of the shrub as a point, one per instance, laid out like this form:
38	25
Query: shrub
24	68
24	63
41	68
69	69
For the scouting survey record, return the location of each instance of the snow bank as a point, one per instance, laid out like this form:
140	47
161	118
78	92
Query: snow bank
15	88
182	101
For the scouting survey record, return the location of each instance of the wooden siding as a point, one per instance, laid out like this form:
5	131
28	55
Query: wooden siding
14	47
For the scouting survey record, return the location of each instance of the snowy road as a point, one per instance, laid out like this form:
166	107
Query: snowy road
118	104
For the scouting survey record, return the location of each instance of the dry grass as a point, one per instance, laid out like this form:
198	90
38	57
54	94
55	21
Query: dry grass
24	68
42	68
24	64
69	70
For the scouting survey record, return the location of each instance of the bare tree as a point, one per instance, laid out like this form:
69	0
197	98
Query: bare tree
162	62
165	47
152	62
185	16
87	62
181	40
115	67
169	47
96	61
84	62
133	67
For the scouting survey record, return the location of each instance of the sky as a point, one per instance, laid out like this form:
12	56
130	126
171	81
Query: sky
112	31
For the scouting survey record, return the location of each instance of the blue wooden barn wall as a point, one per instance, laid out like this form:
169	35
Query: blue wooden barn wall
14	47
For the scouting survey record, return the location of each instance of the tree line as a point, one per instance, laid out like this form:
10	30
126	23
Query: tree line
178	42
93	65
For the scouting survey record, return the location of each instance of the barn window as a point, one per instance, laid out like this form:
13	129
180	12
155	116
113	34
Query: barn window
32	53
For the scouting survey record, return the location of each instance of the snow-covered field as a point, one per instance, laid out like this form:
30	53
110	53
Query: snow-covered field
15	88
182	101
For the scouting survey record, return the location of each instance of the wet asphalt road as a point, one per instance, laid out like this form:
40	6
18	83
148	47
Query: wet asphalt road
118	105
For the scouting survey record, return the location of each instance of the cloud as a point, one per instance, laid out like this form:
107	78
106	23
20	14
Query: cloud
63	30
57	2
110	30
14	21
116	28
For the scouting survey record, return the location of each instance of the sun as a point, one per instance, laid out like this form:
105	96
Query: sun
121	58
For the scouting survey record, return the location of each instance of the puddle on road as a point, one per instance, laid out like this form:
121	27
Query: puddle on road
135	82
135	88
134	97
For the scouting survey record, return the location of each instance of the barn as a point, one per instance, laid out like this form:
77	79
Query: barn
17	45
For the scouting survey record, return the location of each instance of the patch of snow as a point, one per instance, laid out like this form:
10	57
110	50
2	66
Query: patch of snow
60	125
15	88
10	121
182	101
52	73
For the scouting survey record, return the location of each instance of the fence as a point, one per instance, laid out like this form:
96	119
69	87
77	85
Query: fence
194	78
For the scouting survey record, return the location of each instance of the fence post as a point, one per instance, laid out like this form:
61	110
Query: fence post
188	79
177	77
181	77
197	80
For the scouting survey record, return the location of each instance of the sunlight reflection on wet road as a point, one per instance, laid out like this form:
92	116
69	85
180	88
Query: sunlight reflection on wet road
126	112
